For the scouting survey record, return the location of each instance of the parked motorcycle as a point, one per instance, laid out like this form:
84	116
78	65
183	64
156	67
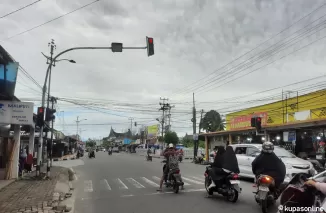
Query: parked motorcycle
298	195
173	179
229	186
266	194
199	159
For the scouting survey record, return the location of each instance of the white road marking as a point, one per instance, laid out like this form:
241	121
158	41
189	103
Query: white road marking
88	186
107	184
192	181
184	191
150	182
197	178
122	185
159	179
135	183
127	195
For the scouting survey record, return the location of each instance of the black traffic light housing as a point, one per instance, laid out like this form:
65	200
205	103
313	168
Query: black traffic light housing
256	122
50	114
40	116
135	123
150	46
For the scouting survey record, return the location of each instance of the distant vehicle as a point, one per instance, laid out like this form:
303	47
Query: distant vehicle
115	149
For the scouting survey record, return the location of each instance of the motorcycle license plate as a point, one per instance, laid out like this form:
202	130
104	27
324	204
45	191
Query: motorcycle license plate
177	176
234	182
263	188
319	157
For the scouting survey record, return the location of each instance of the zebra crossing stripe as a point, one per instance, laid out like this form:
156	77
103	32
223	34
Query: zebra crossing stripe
192	181
135	183
121	184
150	182
159	179
88	186
197	178
107	184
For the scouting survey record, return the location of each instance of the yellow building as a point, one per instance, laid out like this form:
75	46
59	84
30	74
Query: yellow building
302	108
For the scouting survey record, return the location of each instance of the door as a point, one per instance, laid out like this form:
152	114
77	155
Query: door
240	152
250	157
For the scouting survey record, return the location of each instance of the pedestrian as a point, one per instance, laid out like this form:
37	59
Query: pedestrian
29	162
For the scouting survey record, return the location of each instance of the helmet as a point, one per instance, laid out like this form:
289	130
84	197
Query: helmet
268	147
171	145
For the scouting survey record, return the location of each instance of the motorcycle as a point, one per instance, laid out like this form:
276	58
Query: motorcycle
199	159
299	196
110	152
230	188
173	179
266	194
149	158
91	154
180	157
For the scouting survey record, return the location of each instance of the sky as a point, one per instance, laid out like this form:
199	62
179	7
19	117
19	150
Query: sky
226	52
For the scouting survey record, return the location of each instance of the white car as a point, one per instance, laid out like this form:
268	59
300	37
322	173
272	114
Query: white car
246	153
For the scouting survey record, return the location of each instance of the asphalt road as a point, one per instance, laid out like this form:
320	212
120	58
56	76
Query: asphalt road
126	183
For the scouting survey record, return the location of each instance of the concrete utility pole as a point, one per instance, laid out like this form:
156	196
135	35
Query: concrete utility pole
194	125
164	107
170	107
53	101
201	120
115	47
77	123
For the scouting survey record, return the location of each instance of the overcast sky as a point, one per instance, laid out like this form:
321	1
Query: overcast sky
193	38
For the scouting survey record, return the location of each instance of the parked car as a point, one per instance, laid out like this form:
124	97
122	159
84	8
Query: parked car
246	153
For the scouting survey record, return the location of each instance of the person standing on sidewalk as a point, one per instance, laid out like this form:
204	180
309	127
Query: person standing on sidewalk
29	162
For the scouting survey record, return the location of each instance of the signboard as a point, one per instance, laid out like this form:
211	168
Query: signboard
244	121
292	136
152	131
13	112
126	141
195	137
8	77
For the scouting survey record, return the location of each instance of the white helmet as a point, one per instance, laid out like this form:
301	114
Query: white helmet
171	145
268	147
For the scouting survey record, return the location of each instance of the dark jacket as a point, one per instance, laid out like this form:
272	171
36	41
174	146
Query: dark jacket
269	164
230	161
218	160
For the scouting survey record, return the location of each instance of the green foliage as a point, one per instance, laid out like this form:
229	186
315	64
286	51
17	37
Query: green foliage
171	137
212	122
90	143
201	144
187	142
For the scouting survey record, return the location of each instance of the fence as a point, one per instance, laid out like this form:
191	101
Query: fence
188	153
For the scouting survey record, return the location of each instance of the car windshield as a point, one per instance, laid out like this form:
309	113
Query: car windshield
283	153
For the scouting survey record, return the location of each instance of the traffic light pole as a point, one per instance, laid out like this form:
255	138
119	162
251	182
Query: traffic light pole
52	61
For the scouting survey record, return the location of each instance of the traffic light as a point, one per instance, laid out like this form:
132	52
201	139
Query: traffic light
135	123
40	116
50	114
150	46
258	123
253	122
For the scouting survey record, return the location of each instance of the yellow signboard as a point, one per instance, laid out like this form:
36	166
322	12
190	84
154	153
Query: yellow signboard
152	131
305	107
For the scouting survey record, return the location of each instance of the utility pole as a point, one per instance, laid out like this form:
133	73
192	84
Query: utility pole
194	125
170	107
131	119
201	120
53	100
164	107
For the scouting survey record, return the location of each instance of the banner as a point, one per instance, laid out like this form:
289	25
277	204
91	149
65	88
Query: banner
12	112
152	131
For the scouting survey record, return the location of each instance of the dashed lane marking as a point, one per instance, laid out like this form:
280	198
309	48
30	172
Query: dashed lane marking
107	184
192	181
135	183
150	182
121	184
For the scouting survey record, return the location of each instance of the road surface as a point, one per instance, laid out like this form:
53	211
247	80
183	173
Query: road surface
126	183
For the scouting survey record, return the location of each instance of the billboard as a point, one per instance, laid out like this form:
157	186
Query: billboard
153	131
305	107
8	77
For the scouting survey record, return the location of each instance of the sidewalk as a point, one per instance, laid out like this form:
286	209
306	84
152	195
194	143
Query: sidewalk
31	195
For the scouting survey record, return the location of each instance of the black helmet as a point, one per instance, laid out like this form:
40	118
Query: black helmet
268	147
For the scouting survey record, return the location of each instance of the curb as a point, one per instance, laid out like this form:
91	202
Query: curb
66	157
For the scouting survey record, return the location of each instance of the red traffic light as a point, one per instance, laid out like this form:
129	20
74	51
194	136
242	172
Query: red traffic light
40	110
258	119
150	40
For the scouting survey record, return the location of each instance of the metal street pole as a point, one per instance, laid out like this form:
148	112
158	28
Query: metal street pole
40	143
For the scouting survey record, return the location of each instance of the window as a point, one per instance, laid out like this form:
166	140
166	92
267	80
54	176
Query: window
252	150
240	150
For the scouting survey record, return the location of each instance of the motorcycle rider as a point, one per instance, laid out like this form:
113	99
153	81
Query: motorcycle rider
170	151
149	151
267	163
217	166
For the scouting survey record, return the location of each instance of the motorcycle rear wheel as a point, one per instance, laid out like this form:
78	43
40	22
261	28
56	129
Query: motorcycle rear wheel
176	188
234	196
264	206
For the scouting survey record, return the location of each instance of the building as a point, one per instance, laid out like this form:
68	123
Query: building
117	138
296	123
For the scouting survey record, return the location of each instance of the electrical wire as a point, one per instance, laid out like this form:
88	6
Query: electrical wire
22	8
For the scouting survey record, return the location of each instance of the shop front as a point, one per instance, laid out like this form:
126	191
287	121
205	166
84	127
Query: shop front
296	123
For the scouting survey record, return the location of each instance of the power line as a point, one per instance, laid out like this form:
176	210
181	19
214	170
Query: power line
207	77
24	7
33	28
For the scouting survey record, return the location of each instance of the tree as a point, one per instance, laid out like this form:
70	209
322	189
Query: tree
171	137
212	122
90	143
